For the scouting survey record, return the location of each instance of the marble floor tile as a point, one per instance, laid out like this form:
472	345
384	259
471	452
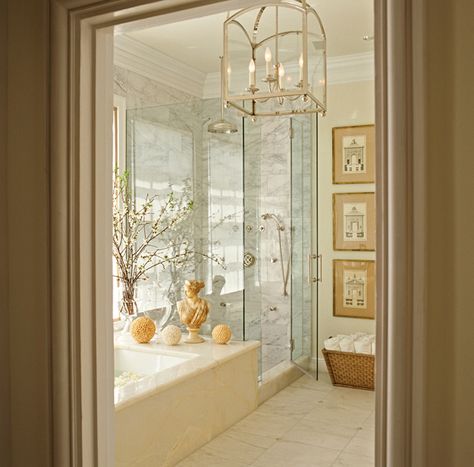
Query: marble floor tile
353	460
307	382
321	434
292	401
286	453
362	445
309	423
237	447
203	458
253	439
265	424
352	397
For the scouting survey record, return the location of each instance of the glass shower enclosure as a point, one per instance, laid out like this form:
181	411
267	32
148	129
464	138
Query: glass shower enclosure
253	206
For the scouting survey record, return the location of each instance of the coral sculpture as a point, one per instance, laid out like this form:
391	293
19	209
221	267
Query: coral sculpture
143	329
171	335
221	334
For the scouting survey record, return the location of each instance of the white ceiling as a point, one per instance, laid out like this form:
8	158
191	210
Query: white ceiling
198	42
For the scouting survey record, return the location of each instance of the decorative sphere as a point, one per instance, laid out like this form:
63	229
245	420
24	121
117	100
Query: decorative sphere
143	329
171	335
221	334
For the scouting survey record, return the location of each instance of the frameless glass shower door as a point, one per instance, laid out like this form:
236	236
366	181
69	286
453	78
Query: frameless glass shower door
253	201
304	278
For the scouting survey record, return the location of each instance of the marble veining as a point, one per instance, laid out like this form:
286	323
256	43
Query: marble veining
187	409
234	180
308	424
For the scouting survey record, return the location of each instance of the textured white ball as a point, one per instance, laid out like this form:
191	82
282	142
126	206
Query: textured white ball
221	334
171	335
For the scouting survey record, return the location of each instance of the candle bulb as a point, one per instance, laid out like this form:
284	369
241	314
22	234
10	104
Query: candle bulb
229	71
268	61
281	75
301	62
251	73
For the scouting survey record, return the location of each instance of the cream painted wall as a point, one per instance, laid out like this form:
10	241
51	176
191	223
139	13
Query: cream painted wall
348	104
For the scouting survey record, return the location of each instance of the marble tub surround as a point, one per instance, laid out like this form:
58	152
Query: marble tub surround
190	405
195	359
308	424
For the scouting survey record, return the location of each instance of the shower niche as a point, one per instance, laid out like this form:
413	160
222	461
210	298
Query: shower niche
253	206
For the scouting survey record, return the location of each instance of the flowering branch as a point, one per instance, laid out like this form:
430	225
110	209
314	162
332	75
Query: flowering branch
136	234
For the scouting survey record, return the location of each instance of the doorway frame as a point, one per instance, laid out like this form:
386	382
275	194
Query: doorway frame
81	357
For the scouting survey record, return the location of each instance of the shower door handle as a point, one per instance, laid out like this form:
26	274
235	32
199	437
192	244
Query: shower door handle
311	278
320	268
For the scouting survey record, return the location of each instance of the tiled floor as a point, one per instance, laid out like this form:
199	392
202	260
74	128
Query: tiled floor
310	423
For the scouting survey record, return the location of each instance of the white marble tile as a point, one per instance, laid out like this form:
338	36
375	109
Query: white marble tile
320	434
352	398
292	401
353	460
280	434
285	454
205	459
338	415
307	382
237	446
363	444
269	425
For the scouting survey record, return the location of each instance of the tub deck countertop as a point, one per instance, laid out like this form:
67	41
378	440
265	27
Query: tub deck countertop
199	358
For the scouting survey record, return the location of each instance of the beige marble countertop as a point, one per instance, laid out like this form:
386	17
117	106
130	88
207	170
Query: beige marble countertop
201	358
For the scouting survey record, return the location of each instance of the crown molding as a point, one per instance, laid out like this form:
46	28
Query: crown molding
351	68
140	58
341	70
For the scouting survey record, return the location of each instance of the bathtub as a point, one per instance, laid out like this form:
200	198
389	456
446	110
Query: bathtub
139	370
182	398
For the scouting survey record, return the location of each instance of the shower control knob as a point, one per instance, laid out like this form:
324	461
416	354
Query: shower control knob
249	260
274	260
273	308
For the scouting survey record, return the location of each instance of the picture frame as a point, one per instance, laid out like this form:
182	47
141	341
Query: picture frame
354	221
353	154
354	288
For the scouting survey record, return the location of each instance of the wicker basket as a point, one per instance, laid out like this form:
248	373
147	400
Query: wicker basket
350	370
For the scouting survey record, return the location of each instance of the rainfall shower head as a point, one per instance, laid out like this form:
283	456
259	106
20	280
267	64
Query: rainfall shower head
222	126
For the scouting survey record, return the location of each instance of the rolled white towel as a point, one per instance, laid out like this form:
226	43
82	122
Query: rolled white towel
372	348
347	344
332	343
358	335
363	345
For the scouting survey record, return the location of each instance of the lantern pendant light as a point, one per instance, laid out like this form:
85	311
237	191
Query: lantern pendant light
277	54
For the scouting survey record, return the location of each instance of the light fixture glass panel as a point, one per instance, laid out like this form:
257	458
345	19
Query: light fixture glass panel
277	56
317	59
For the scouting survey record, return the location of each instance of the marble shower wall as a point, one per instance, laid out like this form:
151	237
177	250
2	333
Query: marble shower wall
234	180
164	143
267	159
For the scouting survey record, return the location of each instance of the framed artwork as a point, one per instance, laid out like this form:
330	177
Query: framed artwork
354	289
354	221
353	154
